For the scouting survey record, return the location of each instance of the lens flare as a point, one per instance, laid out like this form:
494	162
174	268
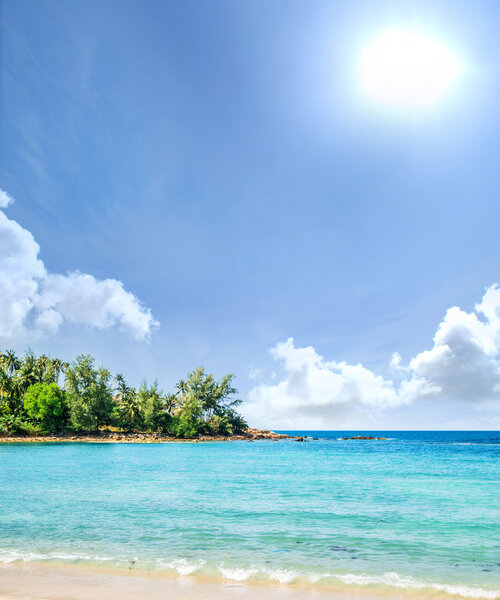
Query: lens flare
404	69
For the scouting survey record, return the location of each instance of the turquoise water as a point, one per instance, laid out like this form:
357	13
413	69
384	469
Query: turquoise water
421	510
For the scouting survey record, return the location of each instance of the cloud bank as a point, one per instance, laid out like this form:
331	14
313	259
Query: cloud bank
33	299
463	366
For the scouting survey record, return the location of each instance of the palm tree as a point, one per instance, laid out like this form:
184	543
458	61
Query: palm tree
130	410
27	375
123	390
182	392
43	368
11	361
171	403
57	367
5	386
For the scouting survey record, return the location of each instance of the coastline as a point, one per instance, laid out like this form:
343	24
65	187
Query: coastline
106	436
22	581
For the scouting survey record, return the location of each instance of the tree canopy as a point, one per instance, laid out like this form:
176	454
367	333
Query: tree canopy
43	395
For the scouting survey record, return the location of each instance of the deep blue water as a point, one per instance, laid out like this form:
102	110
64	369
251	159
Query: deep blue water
419	510
438	437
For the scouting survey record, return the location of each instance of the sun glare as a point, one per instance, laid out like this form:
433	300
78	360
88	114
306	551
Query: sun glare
406	70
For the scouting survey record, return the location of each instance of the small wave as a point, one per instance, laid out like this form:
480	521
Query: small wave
395	580
289	576
185	567
244	574
236	574
10	556
281	575
388	579
474	444
182	566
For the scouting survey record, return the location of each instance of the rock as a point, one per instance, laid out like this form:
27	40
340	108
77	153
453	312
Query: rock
134	437
262	434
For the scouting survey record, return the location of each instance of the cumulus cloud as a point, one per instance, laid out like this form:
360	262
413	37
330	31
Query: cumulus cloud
5	199
30	297
463	365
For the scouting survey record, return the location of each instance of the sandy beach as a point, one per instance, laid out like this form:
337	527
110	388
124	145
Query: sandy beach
48	582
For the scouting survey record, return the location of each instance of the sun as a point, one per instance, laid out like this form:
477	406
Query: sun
403	69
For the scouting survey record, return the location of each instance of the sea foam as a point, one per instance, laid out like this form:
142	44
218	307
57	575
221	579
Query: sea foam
395	580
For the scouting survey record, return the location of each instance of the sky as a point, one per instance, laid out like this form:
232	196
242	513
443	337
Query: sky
208	183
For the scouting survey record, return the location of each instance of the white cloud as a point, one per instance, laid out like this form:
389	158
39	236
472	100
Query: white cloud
20	274
464	361
314	390
30	297
254	373
462	366
5	199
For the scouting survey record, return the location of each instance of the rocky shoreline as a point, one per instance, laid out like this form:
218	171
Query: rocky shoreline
104	436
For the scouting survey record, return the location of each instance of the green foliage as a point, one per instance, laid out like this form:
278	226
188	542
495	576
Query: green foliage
127	412
32	402
16	376
206	405
189	417
153	407
89	394
184	427
221	425
45	403
11	424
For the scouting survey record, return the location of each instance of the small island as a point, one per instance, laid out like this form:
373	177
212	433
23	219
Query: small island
92	405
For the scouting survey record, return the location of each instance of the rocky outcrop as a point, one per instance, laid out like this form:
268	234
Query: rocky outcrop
263	434
124	437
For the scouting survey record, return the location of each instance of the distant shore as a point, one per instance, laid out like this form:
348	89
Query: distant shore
104	436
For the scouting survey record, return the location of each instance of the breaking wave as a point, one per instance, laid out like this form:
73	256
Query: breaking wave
184	567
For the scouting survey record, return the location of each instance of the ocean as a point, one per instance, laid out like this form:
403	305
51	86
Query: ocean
419	511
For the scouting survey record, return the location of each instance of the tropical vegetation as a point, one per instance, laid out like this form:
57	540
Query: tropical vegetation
41	395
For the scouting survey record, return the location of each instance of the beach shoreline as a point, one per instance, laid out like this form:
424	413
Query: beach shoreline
23	582
107	436
29	581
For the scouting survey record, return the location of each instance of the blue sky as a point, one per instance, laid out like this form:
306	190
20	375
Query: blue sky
221	161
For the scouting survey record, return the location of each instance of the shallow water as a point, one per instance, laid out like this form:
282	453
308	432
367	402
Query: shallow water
419	511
